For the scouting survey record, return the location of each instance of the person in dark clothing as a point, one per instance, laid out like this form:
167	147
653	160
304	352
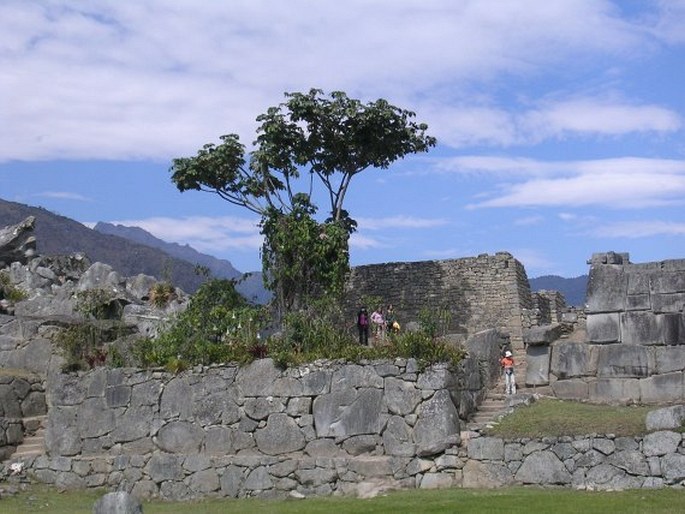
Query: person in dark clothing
363	326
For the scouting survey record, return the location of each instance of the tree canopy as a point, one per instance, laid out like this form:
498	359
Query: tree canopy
310	139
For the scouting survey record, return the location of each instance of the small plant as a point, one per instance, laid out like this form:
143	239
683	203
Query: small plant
98	303
161	294
435	321
9	291
82	347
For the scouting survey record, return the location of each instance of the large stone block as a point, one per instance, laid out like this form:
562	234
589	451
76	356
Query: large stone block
486	475
180	437
258	378
571	359
437	427
669	282
668	302
542	335
281	435
639	328
573	389
626	361
603	328
610	390
543	468
663	388
666	418
486	448
401	397
607	289
672	328
639	281
348	412
537	360
669	358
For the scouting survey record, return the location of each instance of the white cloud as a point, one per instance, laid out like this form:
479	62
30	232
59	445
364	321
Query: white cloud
63	195
529	220
154	80
629	182
591	116
361	242
205	234
639	229
399	222
463	126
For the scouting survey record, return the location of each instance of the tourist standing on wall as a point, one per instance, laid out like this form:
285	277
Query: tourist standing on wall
378	323
507	363
363	326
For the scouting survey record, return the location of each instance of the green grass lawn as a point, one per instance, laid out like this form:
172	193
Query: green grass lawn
550	417
508	500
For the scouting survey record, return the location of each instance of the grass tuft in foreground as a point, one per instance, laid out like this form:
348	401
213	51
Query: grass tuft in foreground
509	500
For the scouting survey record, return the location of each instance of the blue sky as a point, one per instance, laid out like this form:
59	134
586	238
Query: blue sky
560	124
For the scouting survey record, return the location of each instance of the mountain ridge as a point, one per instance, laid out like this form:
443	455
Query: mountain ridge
59	235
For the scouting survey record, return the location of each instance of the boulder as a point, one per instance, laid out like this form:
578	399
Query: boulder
666	419
348	412
542	335
17	243
543	468
437	427
119	502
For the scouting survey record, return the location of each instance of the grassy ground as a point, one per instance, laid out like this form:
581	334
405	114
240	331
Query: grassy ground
510	500
549	417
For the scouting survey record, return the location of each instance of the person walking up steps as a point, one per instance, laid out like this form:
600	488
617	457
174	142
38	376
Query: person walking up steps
507	363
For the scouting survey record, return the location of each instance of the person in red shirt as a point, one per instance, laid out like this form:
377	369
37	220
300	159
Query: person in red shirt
507	363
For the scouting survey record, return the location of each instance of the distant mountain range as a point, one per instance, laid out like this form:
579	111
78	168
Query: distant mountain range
250	286
573	289
132	250
121	248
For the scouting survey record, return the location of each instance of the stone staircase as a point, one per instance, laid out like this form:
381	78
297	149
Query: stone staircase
34	442
496	402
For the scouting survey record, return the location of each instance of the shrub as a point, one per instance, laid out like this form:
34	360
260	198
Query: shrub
98	303
161	294
218	326
9	291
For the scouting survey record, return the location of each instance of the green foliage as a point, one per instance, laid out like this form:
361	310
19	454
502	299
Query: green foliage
512	500
218	326
435	321
550	417
424	348
302	259
98	303
85	345
330	138
161	294
8	291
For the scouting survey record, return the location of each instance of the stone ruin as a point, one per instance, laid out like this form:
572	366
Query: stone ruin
335	428
632	349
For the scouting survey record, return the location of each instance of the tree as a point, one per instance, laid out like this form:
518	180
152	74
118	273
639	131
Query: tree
308	139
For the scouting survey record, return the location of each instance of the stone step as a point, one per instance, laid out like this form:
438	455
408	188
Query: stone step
33	444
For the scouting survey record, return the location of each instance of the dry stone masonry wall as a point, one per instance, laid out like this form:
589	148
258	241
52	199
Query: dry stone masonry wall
601	462
634	350
479	293
261	431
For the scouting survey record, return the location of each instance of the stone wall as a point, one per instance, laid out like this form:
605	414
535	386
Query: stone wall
21	398
602	462
479	293
260	431
634	345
